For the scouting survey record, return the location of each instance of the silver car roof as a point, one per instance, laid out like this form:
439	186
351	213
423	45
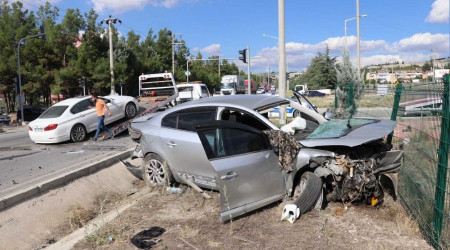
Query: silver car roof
253	102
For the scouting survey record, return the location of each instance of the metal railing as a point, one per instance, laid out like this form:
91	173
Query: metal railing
422	113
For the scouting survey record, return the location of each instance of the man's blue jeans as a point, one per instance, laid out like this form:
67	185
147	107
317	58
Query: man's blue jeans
101	125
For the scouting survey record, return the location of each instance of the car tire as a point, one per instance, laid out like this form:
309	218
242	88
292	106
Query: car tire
307	192
156	171
78	133
130	110
296	114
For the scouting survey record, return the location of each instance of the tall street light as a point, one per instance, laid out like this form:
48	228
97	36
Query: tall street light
345	28
173	51
110	21
358	38
41	35
281	58
274	37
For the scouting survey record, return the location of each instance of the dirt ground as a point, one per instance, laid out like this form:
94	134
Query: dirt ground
187	221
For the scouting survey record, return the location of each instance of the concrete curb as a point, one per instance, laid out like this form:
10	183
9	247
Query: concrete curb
58	181
94	225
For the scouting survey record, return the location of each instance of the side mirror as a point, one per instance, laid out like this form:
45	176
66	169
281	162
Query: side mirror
328	115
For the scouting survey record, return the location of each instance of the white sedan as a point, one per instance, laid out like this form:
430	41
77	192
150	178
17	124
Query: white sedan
72	119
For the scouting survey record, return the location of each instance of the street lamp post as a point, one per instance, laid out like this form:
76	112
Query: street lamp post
281	58
345	28
173	51
42	35
110	21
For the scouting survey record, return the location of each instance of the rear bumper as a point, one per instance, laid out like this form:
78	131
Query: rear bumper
47	137
134	170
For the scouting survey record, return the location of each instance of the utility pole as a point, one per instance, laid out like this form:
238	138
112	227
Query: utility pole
173	51
110	21
21	98
248	69
358	35
281	59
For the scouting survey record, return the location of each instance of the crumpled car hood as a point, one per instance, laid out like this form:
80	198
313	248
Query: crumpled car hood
356	137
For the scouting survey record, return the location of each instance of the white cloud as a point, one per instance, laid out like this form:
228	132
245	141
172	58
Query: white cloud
439	12
416	48
213	49
120	6
423	41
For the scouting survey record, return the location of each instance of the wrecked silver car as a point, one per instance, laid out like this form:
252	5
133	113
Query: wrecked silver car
234	144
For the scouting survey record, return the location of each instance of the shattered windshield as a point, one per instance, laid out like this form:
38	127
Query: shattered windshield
338	128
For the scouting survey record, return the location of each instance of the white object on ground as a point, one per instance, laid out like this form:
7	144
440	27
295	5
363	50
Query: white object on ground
297	124
290	213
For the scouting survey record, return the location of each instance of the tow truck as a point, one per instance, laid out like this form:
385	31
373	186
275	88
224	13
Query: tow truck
156	92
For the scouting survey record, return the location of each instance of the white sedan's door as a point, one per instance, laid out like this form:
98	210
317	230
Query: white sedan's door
85	115
116	110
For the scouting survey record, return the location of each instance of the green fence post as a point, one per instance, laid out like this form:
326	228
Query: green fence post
441	177
398	95
335	96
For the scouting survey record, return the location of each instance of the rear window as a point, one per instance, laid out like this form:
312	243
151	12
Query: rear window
185	89
53	112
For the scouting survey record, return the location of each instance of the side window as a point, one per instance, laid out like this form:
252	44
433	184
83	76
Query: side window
105	100
186	119
205	90
170	121
81	106
224	142
243	118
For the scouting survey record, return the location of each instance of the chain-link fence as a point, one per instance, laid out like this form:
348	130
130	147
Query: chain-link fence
422	114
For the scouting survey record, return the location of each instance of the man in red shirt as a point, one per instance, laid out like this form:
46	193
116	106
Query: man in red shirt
100	106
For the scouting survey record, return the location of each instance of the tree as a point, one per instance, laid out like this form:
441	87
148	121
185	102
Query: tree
350	89
321	72
427	66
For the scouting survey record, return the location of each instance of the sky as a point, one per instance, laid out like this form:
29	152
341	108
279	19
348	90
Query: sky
394	30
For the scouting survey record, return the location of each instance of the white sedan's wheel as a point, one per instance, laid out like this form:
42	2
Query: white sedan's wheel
130	110
78	133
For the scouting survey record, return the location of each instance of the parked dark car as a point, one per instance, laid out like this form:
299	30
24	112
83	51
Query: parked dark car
314	93
30	113
5	119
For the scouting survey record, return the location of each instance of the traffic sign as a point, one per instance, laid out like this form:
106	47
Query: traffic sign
187	73
21	99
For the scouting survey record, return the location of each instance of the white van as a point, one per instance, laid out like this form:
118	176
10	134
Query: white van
191	91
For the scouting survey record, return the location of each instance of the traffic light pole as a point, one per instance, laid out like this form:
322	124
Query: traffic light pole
248	69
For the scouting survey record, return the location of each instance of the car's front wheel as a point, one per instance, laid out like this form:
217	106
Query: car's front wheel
156	171
307	192
78	133
130	110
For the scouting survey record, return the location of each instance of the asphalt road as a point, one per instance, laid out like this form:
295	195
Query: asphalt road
22	162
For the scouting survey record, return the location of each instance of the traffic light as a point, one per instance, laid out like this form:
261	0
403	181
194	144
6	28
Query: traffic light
82	82
243	56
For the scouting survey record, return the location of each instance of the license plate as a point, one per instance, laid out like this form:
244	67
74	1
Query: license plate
38	129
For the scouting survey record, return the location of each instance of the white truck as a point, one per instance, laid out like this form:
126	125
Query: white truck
232	84
302	88
191	91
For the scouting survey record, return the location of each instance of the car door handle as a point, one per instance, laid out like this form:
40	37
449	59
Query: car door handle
171	144
229	176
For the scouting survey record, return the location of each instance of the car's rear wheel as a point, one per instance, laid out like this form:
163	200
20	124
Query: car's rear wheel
307	192
130	110
78	133
296	114
156	171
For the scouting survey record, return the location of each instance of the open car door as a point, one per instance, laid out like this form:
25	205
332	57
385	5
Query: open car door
246	167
